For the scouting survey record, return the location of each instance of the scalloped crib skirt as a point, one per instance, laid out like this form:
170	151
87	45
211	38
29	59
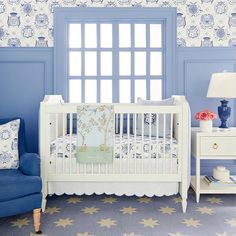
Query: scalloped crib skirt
118	188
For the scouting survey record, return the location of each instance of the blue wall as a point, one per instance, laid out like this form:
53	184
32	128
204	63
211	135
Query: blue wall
194	69
26	75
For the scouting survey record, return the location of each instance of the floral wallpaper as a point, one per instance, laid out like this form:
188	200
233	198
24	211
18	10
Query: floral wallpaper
206	23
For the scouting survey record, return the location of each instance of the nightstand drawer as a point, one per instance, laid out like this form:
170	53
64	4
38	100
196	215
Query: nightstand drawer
218	146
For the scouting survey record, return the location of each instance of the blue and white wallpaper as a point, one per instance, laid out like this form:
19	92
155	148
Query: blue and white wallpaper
206	23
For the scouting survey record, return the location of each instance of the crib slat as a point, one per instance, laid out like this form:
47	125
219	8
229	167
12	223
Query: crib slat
142	152
135	143
92	168
121	139
114	141
116	120
164	144
70	171
150	142
157	143
57	156
63	144
128	140
171	143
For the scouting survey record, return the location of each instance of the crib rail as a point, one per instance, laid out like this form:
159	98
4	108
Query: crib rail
158	157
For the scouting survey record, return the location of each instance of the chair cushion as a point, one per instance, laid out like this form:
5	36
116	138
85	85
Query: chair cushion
9	158
14	184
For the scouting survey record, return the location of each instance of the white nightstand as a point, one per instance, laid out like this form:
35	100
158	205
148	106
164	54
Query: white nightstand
215	145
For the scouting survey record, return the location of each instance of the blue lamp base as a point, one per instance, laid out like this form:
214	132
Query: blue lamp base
224	113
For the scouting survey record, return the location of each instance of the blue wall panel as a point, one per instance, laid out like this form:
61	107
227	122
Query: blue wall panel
26	75
194	68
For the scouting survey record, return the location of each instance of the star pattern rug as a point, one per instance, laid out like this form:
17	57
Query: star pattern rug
103	215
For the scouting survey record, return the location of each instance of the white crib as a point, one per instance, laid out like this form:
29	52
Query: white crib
147	173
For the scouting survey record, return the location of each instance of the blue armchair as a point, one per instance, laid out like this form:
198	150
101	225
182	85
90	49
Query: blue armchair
20	189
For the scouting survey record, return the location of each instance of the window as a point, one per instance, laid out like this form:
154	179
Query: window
114	55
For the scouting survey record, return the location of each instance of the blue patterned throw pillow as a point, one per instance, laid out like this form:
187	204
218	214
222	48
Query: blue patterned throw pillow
9	157
147	119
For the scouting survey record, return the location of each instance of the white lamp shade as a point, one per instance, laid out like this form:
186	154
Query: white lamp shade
222	85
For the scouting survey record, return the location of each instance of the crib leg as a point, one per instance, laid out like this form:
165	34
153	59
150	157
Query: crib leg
44	201
45	193
184	194
184	204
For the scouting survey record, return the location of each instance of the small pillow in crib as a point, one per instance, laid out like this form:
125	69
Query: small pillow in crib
147	120
9	157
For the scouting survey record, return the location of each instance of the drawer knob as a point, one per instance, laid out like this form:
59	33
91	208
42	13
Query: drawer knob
215	146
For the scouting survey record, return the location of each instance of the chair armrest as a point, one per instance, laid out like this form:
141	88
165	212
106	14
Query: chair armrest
30	164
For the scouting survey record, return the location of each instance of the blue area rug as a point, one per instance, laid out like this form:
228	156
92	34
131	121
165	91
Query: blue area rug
104	215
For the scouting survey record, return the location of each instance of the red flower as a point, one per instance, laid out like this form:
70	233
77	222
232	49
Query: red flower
205	115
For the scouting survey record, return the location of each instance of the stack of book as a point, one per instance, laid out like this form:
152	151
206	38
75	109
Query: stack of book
217	183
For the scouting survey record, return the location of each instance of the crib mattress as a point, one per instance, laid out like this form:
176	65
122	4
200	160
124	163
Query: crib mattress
137	163
143	149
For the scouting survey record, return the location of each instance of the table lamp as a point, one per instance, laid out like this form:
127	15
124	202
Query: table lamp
223	85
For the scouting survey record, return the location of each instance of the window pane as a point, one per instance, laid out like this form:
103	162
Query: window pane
140	63
74	63
91	63
156	89
124	94
140	35
140	89
124	35
106	63
90	35
106	91
155	36
125	63
155	63
74	35
90	91
106	35
75	90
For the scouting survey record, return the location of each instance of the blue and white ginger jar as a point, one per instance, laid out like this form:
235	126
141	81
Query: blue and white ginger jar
14	42
41	20
206	42
181	22
207	21
27	8
2	33
232	42
13	19
232	20
193	9
2	7
53	5
41	42
181	42
27	31
193	31
221	7
220	33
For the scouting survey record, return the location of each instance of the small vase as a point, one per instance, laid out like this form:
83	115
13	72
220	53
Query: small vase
205	125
